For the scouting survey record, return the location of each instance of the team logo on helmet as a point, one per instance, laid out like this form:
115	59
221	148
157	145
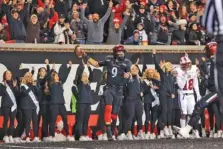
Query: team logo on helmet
185	62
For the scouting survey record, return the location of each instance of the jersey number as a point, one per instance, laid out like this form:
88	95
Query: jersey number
189	85
114	72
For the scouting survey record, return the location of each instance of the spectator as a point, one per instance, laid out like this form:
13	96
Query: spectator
3	34
46	34
16	26
142	34
147	21
5	24
182	13
95	27
33	30
115	29
74	40
75	8
61	7
133	40
62	31
194	35
79	28
162	32
178	36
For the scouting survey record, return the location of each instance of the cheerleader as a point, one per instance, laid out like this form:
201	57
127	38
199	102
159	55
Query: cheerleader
84	100
150	87
8	91
57	101
166	95
43	79
101	125
133	104
30	105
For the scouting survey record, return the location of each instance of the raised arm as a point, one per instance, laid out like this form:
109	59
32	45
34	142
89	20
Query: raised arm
157	66
84	6
107	14
64	72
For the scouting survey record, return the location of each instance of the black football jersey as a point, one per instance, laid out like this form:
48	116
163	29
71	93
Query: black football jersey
116	70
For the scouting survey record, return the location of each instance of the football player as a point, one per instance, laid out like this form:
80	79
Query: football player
118	71
210	50
187	81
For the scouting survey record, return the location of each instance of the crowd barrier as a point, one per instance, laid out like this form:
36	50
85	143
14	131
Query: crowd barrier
27	56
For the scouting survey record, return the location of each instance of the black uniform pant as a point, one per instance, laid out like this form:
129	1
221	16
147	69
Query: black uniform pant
219	72
44	113
133	109
200	106
21	123
83	115
113	101
213	110
55	110
176	113
30	115
7	114
166	104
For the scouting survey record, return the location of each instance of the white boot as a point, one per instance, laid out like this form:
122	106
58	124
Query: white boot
122	136
203	132
17	140
6	139
162	136
211	134
170	131
141	135
11	139
147	136
36	139
129	136
83	138
70	138
27	139
196	134
88	138
105	137
100	137
215	135
166	131
184	132
153	136
219	133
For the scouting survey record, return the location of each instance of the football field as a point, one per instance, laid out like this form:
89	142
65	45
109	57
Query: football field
139	144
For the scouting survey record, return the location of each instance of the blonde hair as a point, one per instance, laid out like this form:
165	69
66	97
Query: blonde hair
27	78
156	76
166	65
146	73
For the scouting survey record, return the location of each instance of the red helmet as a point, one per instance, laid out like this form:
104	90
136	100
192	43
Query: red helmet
118	48
185	62
210	49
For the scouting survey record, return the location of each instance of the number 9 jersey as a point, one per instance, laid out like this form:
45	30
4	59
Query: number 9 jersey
116	70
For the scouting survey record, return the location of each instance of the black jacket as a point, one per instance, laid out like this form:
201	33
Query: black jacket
56	88
6	100
166	82
133	88
26	101
83	91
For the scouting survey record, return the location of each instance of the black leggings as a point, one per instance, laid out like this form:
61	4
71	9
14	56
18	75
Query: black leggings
7	114
151	116
176	117
83	115
133	109
44	113
166	104
21	123
30	115
55	110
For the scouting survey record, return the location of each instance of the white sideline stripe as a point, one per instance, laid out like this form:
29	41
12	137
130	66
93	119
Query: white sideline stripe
14	146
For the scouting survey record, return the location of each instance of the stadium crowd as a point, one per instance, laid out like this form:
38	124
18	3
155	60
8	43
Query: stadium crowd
131	22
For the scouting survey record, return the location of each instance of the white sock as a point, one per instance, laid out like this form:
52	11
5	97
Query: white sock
182	123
